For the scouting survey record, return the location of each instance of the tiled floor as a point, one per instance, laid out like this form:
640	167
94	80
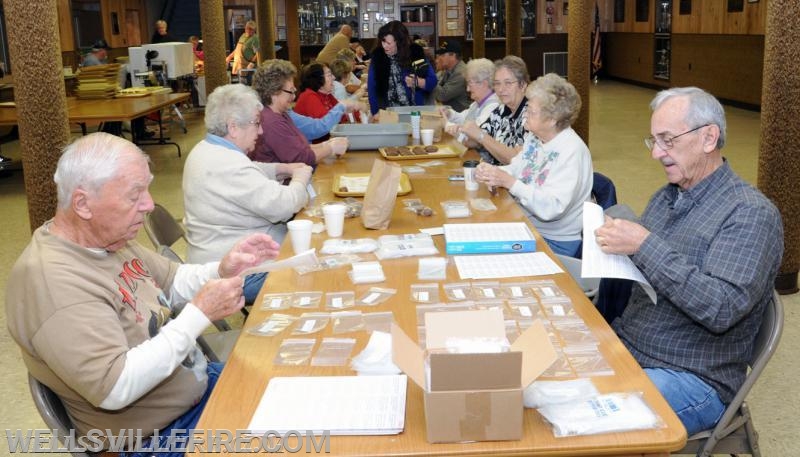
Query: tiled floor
619	120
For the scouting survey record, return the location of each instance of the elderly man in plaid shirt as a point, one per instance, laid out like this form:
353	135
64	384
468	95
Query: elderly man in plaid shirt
710	244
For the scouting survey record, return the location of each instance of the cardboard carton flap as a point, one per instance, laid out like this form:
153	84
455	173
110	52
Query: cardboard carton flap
537	352
486	323
475	371
408	356
388	117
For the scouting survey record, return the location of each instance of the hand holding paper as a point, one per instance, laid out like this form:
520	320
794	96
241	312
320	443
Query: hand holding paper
305	258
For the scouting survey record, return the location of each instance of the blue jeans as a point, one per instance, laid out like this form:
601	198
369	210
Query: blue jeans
696	403
252	286
186	422
567	248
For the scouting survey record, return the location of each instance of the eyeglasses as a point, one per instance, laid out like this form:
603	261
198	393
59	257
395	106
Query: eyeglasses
665	144
293	93
256	122
508	83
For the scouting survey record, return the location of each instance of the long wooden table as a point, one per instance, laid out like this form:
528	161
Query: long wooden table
83	111
250	367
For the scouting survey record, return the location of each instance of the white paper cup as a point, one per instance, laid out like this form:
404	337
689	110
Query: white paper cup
334	218
300	230
427	136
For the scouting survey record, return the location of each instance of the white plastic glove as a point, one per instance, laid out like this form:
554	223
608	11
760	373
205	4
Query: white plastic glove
339	145
302	174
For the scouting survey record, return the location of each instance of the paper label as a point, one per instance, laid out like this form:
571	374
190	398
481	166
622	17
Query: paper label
458	293
488	292
266	326
371	297
305	301
275	303
516	291
548	291
308	325
423	296
336	302
558	310
525	311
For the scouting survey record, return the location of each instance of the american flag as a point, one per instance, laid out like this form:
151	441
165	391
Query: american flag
597	53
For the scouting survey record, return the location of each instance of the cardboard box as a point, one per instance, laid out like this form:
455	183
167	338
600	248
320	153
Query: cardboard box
488	238
472	397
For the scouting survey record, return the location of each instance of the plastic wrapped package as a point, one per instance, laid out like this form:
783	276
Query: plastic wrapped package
432	268
272	326
514	290
425	293
546	288
408	245
329	262
347	321
307	300
560	368
376	295
340	300
575	335
525	309
294	351
379	321
454	209
485	290
457	291
333	352
341	246
482	204
588	363
615	412
275	302
309	323
497	304
543	393
559	309
366	272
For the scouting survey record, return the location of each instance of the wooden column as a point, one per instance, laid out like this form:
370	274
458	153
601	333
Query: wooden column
212	24
579	41
778	162
265	17
478	29
40	97
513	29
293	32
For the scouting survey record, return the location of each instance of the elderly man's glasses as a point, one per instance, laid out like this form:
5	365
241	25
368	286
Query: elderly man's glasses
665	144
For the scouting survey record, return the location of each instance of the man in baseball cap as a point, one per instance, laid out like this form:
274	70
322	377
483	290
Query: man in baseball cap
452	88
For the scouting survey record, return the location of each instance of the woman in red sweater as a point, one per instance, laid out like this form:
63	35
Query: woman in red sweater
316	98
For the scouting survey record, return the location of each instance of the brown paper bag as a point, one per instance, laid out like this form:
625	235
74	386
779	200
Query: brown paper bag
435	121
380	195
388	117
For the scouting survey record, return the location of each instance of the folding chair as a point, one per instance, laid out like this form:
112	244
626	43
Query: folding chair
54	414
163	231
735	433
590	286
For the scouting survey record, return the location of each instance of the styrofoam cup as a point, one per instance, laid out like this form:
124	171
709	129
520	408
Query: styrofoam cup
334	218
300	230
427	136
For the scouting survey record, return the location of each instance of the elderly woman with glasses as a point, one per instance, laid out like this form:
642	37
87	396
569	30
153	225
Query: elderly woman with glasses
284	142
552	176
316	98
500	138
480	80
227	196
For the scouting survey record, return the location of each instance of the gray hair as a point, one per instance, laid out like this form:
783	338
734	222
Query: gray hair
231	102
558	99
516	66
271	76
480	70
91	161
703	108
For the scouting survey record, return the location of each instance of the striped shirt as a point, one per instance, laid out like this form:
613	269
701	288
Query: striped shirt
712	257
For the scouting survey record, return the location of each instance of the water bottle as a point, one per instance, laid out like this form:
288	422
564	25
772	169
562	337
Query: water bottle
415	120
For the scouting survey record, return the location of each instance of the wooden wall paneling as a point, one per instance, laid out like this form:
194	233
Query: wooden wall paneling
443	22
756	17
735	72
65	31
711	13
734	23
685	23
630	56
643	27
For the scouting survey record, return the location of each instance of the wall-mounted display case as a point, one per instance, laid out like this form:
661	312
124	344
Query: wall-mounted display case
663	39
320	19
494	19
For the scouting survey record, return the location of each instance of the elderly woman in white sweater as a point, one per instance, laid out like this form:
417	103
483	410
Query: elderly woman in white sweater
227	196
552	176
